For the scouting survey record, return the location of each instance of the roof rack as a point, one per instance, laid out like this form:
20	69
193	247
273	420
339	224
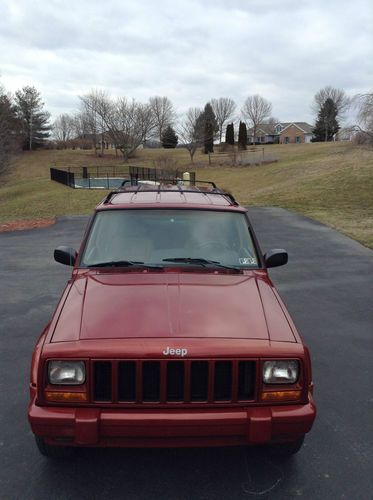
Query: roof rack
173	181
163	186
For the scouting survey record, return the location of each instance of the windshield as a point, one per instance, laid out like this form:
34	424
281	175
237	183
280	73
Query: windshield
170	237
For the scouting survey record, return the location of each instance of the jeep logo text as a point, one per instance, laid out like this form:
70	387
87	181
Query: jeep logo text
175	352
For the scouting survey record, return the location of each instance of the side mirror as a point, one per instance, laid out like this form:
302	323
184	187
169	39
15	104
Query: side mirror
65	255
276	257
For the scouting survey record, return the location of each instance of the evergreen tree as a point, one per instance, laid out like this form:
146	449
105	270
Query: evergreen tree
207	127
326	124
242	136
229	134
10	127
169	138
35	126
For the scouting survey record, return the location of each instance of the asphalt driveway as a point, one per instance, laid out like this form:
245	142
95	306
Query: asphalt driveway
328	288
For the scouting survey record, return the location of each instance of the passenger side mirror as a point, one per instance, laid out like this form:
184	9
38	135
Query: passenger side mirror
65	255
276	257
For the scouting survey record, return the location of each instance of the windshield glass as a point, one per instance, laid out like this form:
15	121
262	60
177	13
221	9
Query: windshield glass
161	236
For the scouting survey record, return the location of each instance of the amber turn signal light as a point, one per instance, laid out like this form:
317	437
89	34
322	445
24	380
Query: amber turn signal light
281	396
66	397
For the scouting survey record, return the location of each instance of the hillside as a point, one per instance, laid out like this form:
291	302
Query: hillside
332	183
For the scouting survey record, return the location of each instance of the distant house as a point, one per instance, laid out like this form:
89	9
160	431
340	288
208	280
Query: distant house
283	133
294	132
265	134
345	134
152	144
99	141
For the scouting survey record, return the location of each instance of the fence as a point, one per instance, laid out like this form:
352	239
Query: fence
93	177
62	176
111	177
251	156
158	174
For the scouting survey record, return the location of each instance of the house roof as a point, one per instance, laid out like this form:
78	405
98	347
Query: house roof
303	126
265	128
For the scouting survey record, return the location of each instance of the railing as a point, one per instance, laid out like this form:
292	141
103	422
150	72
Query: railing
158	174
63	176
250	156
92	177
111	177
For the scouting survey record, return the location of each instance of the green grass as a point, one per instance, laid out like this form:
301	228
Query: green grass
332	183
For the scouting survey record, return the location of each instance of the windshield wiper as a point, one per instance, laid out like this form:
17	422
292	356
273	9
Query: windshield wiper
201	262
125	263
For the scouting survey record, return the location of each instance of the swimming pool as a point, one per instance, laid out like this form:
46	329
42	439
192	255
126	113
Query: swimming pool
98	182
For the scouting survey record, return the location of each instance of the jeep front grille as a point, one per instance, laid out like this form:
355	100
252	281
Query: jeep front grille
176	381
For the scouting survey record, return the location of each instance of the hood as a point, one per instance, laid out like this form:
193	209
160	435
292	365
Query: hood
169	305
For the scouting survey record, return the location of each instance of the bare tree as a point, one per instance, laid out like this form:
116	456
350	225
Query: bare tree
223	108
164	114
91	113
190	132
256	109
271	122
338	96
364	127
63	129
130	125
80	125
127	123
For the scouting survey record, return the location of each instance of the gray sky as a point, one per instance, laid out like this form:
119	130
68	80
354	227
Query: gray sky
188	50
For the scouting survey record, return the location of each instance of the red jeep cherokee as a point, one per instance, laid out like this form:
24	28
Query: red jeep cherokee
170	333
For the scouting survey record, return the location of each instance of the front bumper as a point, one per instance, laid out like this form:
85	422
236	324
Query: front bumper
171	427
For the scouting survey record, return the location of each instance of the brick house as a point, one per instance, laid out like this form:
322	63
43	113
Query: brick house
283	133
294	132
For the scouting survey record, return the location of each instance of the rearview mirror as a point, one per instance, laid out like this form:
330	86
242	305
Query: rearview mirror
276	257
65	255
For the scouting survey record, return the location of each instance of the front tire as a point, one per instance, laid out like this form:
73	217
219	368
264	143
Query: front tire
54	452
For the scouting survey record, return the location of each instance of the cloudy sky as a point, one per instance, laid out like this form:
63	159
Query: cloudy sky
188	50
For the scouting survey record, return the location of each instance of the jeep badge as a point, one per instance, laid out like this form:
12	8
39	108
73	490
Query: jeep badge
175	352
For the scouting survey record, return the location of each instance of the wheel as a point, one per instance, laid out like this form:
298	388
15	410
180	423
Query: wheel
286	449
50	451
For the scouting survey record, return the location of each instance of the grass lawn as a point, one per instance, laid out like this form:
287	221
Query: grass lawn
332	183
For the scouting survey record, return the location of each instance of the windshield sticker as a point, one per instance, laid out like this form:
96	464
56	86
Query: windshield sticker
248	261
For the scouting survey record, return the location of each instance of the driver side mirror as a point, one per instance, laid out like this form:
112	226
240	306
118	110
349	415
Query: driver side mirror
65	255
276	257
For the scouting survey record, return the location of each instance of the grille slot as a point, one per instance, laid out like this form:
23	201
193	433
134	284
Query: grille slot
127	381
151	384
223	381
246	380
173	381
199	380
102	380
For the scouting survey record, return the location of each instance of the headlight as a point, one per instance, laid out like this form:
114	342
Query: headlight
66	372
280	372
